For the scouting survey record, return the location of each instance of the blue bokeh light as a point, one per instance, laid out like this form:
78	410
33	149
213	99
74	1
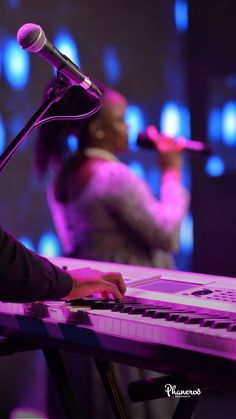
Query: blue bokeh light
154	179
185	121
112	65
27	242
175	120
137	168
214	166
2	135
214	124
16	64
65	43
15	126
186	235
49	245
181	15
229	123
72	143
135	119
13	4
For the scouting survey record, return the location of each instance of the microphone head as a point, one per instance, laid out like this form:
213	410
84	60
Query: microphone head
31	37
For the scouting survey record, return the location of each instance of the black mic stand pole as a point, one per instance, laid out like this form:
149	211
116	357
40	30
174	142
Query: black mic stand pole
55	93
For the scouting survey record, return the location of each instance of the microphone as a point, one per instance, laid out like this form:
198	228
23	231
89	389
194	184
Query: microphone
32	38
144	141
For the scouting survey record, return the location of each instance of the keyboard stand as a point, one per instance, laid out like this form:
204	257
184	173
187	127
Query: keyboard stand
61	381
10	346
138	391
62	384
115	396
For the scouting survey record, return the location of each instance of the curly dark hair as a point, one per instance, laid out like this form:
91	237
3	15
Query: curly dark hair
51	148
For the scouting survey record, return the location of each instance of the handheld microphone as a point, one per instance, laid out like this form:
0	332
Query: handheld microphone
144	140
32	38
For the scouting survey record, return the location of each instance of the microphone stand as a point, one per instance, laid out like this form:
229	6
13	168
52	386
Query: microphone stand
54	94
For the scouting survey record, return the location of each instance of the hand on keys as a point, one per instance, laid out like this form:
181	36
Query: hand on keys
88	281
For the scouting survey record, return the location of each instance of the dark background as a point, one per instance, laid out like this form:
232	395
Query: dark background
211	58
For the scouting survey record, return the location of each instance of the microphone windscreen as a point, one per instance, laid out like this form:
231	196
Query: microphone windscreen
31	37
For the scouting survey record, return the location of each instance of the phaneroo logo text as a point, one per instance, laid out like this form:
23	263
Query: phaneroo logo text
172	391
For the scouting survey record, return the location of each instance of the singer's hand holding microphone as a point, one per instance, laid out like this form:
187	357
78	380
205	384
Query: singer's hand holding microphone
170	148
151	138
162	142
169	151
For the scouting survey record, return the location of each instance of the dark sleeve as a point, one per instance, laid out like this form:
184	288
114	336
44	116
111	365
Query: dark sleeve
25	276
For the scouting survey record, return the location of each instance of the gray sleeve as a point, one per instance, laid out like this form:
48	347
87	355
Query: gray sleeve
156	221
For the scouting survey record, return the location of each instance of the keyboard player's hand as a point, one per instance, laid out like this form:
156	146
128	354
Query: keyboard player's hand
88	281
